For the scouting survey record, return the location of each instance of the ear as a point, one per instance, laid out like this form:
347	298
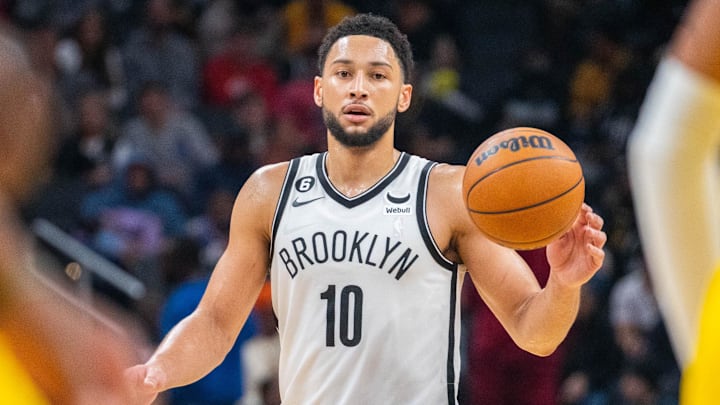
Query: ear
317	91
405	97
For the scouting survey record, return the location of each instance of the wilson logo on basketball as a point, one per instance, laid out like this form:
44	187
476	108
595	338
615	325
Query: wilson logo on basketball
516	144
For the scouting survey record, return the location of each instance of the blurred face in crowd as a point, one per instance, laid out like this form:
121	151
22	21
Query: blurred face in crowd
91	32
160	13
154	106
94	114
139	180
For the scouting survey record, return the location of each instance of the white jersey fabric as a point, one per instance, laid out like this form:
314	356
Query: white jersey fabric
367	306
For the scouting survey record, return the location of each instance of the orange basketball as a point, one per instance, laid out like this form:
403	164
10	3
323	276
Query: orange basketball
523	188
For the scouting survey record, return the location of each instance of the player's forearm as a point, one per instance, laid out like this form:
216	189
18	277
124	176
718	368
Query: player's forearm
192	349
546	318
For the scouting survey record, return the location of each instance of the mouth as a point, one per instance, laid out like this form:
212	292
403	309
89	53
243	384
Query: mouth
356	113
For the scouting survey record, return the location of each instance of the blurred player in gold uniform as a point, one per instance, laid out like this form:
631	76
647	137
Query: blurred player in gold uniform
673	164
51	350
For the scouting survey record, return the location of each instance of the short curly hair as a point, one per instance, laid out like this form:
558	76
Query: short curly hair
374	26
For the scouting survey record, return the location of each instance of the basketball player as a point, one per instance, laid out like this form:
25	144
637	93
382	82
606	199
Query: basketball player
367	247
50	351
673	168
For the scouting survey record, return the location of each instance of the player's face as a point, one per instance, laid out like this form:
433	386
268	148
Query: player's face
361	90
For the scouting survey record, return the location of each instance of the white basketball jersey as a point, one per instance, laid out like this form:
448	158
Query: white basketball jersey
367	306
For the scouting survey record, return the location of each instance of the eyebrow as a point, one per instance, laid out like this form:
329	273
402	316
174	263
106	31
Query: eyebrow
349	62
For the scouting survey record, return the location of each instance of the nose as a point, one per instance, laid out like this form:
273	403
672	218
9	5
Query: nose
358	88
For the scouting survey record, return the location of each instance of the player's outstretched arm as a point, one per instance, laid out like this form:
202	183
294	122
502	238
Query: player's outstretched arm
672	160
536	318
201	341
574	258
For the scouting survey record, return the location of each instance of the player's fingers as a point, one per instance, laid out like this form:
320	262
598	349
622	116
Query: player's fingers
142	393
594	242
597	255
135	375
582	215
594	220
154	378
595	237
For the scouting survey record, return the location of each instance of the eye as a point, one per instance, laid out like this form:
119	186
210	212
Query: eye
343	73
378	76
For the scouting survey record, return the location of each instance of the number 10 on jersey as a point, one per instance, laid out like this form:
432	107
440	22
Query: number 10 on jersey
350	308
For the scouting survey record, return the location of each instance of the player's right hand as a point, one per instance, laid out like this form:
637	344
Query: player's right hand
145	383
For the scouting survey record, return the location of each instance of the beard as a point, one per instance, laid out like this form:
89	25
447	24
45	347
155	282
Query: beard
373	134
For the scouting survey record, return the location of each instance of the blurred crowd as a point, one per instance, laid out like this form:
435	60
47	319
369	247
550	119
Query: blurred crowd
164	107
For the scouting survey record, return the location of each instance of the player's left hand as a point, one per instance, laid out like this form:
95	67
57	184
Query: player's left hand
577	255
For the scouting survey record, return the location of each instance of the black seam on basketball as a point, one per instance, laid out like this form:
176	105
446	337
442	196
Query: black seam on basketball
533	243
582	178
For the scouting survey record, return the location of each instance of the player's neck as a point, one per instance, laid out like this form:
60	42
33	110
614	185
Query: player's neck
354	170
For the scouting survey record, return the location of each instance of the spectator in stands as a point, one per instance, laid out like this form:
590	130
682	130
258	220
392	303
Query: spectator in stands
251	114
130	219
83	162
592	360
155	51
306	21
86	59
87	152
229	173
239	68
639	332
210	229
173	140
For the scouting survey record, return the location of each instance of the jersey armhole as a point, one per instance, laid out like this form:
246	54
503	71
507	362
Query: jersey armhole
283	199
421	212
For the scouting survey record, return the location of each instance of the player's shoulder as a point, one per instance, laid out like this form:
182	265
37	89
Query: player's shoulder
445	186
271	171
445	207
256	201
446	177
266	181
